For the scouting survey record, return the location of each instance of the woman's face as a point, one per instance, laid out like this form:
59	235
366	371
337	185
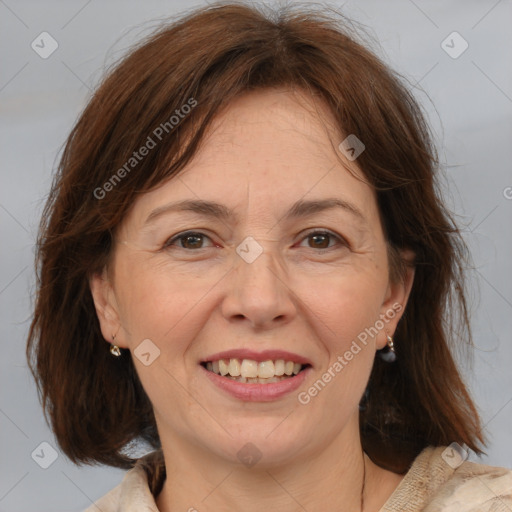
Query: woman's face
265	248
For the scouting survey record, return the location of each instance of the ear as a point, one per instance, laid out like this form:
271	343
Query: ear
397	295
106	308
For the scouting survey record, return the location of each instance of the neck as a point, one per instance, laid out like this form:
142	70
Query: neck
332	479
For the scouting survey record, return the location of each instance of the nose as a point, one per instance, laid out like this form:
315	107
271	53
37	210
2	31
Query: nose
259	294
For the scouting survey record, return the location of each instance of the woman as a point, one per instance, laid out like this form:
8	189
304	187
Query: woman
247	213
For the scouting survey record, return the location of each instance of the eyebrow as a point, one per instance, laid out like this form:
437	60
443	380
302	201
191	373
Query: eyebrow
301	208
205	208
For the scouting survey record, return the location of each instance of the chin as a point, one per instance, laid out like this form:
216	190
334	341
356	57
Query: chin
264	443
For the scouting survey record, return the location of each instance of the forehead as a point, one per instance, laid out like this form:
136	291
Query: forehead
266	148
272	130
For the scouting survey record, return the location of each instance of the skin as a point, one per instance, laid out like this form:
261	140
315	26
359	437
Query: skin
195	297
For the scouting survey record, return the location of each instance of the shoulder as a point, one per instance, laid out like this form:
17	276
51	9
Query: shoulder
108	503
439	480
478	488
136	491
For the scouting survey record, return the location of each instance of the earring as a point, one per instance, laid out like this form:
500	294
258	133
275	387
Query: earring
388	354
114	349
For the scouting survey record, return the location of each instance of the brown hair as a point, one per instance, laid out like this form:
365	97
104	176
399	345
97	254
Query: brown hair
95	402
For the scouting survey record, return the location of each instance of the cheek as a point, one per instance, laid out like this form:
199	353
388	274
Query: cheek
345	307
344	303
156	303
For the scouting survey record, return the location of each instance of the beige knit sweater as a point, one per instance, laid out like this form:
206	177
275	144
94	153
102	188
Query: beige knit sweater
430	485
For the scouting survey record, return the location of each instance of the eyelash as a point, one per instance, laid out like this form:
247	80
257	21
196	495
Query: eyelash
338	238
181	236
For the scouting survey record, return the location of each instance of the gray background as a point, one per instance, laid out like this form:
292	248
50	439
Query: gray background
470	109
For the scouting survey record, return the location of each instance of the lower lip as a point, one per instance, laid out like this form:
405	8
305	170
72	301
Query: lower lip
257	392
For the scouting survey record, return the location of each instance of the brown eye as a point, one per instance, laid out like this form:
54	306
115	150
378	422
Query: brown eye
319	240
192	241
323	240
189	240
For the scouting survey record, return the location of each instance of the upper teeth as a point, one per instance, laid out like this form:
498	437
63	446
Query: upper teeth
249	368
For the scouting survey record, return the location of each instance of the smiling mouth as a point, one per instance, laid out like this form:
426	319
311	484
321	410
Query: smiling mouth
249	371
